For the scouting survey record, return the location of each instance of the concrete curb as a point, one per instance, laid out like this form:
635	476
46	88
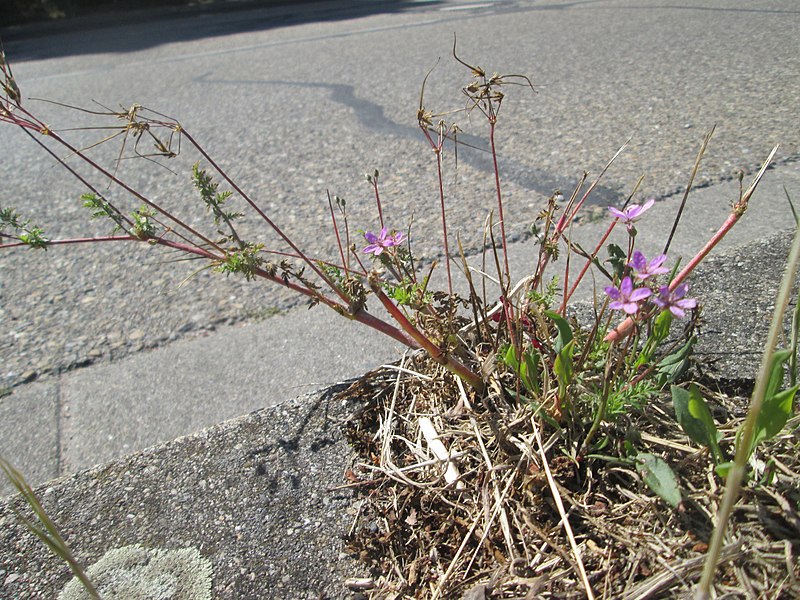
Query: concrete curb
254	495
89	416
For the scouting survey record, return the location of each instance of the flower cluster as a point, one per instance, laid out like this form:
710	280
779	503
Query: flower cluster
384	240
629	298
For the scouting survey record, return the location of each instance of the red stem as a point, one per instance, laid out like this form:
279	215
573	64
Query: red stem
78	176
739	209
588	264
569	216
110	238
421	341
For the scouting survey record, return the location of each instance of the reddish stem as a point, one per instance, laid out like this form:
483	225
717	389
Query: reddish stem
588	264
266	219
624	329
110	238
504	240
422	341
569	216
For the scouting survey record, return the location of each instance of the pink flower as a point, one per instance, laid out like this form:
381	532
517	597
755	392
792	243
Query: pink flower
674	300
625	297
630	214
645	270
379	243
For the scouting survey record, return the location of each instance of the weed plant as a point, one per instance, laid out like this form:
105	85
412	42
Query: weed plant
505	455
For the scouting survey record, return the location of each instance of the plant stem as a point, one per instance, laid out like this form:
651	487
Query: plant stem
77	175
338	239
696	167
744	444
586	266
110	238
446	360
438	152
569	216
266	219
377	197
504	239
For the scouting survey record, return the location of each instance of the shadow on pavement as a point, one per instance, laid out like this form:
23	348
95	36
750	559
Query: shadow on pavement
130	31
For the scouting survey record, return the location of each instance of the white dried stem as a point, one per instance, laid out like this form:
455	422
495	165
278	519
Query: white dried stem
451	474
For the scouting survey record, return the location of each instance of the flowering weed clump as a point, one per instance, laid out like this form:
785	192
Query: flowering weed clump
505	455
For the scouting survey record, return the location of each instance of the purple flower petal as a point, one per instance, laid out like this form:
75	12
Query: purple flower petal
674	300
645	270
382	241
631	213
625	297
617	213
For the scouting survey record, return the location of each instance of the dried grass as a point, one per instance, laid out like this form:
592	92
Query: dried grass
497	531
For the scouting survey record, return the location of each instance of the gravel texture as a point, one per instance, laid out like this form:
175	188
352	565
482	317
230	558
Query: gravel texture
258	496
738	290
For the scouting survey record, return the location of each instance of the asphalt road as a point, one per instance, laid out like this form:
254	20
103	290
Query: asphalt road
304	98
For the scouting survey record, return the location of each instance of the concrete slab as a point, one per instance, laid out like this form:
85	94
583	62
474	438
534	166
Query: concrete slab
254	496
156	396
260	496
705	211
29	432
114	409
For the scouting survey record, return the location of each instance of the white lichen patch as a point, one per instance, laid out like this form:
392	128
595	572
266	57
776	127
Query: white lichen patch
138	573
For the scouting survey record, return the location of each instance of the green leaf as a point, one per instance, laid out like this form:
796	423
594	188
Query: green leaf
778	406
618	259
564	330
661	326
691	412
659	477
529	370
775	380
672	367
774	414
563	367
509	356
658	334
722	469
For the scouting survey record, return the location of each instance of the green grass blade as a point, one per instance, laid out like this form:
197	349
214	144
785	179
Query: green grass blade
737	470
47	532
